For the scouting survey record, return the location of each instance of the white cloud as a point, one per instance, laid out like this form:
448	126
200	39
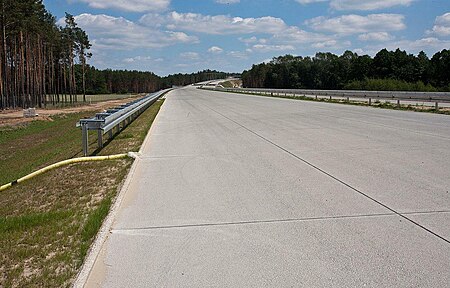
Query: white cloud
238	54
364	5
295	35
430	45
269	48
367	4
354	24
310	1
250	40
427	44
190	55
129	5
376	36
228	1
137	59
280	35
331	44
215	50
441	25
118	33
359	51
218	25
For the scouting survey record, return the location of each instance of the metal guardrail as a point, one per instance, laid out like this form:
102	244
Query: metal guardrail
113	118
437	97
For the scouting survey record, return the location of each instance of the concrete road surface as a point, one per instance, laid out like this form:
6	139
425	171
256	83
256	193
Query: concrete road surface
249	191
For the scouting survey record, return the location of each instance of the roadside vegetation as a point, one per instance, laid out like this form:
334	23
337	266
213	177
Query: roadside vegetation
388	70
385	104
48	223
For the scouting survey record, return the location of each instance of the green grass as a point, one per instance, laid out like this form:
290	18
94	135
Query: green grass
48	223
39	144
93	223
25	222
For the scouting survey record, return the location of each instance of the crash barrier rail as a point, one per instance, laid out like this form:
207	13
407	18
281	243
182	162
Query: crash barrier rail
436	97
105	122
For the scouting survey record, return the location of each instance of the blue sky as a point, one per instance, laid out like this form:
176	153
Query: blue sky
172	36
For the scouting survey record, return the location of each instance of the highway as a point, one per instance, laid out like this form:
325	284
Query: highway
236	190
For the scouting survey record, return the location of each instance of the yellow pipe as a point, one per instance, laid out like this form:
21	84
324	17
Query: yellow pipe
66	162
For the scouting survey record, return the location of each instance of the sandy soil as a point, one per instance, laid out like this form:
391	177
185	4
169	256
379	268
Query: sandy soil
15	117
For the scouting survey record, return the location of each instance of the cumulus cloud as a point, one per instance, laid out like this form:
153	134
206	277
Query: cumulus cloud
250	40
218	25
441	25
129	5
310	1
137	59
364	5
118	33
429	44
415	46
270	48
215	50
228	1
280	35
295	35
367	4
190	55
354	24
376	36
333	44
238	54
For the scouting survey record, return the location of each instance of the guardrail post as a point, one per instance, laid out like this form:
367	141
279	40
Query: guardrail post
370	101
436	106
330	97
100	138
84	139
348	99
398	103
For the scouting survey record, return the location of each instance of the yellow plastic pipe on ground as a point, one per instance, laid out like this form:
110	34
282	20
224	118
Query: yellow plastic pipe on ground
67	162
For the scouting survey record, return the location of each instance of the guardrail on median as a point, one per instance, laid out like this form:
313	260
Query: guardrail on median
105	122
436	97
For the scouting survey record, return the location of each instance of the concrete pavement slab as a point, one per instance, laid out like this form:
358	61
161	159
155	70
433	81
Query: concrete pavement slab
248	191
359	252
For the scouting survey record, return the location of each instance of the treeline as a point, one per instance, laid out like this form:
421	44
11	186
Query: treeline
42	62
37	57
388	70
186	79
118	81
125	81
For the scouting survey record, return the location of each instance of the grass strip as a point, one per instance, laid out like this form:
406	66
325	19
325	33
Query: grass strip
93	223
28	221
48	223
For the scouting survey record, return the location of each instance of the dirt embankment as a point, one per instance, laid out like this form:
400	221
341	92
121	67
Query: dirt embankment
15	117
